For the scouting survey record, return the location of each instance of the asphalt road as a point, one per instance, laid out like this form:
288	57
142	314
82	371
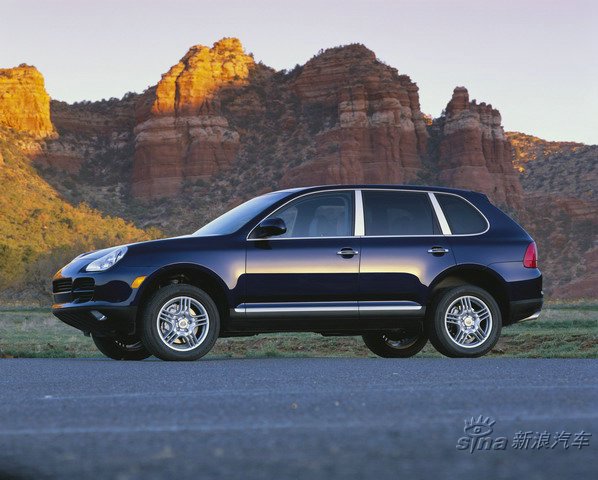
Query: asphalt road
293	418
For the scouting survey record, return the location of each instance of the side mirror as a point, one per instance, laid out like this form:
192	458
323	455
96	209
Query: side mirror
270	227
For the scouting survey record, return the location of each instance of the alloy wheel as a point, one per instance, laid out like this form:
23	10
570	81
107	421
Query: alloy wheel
183	324
468	321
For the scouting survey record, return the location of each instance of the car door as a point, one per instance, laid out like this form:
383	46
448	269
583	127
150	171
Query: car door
402	251
311	270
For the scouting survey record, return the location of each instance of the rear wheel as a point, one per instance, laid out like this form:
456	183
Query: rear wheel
464	321
395	344
121	349
180	322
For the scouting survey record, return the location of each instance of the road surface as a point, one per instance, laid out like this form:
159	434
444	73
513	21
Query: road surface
297	418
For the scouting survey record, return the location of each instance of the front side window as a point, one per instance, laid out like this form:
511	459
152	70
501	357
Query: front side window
318	215
461	216
398	213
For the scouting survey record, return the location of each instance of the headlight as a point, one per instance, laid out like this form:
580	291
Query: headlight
108	260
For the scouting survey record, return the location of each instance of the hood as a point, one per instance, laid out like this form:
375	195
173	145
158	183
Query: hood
146	254
81	261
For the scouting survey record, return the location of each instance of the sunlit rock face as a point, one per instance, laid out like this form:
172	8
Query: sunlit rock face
180	135
474	152
24	102
372	128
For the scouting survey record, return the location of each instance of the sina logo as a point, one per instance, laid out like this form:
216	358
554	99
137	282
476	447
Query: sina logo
477	435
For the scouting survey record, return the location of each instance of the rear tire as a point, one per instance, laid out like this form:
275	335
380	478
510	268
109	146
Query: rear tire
180	322
121	349
395	345
464	322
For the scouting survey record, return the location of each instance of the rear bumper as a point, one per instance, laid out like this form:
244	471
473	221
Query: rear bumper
522	310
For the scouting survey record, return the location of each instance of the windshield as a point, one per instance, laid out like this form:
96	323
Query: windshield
234	219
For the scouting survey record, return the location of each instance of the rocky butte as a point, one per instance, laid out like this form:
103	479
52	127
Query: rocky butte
24	102
475	153
377	132
180	132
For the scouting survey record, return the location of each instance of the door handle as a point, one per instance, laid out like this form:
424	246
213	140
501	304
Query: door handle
347	252
438	250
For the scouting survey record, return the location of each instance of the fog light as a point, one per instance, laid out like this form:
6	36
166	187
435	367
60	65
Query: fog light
100	317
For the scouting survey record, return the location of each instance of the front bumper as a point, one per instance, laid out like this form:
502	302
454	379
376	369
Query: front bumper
102	302
98	318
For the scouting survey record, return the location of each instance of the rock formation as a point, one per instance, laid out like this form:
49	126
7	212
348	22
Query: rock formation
371	127
180	134
24	102
343	117
474	152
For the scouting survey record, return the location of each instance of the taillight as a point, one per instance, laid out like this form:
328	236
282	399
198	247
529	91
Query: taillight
530	259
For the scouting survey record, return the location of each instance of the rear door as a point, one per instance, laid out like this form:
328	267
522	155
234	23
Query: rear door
402	251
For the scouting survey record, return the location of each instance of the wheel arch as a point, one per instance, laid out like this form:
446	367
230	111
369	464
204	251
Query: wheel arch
479	276
191	274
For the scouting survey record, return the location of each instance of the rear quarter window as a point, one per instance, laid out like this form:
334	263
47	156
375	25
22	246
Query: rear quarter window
462	217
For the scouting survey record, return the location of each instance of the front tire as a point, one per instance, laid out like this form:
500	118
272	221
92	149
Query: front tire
395	345
180	322
464	322
117	349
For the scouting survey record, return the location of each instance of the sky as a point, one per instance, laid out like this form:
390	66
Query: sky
534	60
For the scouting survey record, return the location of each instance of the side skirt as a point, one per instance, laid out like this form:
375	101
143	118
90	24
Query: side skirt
340	318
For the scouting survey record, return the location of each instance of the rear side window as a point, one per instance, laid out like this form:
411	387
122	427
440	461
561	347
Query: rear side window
461	216
398	213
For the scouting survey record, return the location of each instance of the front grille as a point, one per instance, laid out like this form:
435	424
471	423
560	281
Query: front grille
62	285
83	289
80	290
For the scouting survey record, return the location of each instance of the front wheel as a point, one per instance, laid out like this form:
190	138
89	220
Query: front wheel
117	349
465	322
395	345
180	322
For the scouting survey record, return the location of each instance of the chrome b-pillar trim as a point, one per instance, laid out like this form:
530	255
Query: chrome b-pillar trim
359	220
446	230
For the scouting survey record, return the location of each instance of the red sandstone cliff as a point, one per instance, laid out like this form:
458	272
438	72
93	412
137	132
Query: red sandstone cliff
24	102
180	134
374	131
474	152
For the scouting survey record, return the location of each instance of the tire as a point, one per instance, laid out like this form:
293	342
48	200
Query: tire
120	349
180	322
393	345
464	322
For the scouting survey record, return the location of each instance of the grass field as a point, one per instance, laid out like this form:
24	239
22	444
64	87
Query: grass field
562	331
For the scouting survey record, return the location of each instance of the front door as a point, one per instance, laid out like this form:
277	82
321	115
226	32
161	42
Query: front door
312	270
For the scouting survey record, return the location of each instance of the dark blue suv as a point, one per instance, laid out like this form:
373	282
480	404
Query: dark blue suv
398	265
